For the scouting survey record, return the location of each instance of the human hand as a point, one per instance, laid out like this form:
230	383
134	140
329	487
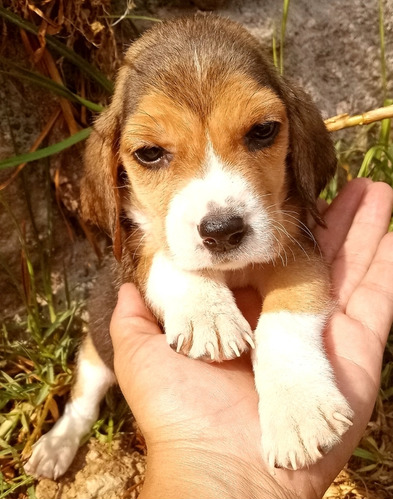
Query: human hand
200	420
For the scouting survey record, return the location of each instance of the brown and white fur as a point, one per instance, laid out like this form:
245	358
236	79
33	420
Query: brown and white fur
203	171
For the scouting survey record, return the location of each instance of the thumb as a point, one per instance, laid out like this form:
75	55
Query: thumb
131	318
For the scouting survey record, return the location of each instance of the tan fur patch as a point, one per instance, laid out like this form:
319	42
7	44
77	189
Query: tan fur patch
300	286
87	351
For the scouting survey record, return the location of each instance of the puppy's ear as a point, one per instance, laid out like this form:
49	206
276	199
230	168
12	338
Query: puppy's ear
311	158
100	199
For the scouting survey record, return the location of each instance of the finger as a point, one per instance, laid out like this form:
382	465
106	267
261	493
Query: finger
130	304
339	216
372	301
133	329
355	255
131	316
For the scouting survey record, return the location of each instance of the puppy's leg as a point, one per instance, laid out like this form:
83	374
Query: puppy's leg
199	312
302	412
54	451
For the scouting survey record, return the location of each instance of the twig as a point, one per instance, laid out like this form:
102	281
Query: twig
46	64
340	122
129	7
37	429
47	407
64	103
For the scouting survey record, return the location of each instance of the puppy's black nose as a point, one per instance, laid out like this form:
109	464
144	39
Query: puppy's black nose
221	233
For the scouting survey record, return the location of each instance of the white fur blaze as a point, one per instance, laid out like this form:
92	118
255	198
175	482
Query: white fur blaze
219	188
200	315
54	451
302	412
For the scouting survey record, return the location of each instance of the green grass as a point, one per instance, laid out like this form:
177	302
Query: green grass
46	152
278	52
37	349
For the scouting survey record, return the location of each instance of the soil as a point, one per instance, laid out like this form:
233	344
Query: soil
99	472
331	48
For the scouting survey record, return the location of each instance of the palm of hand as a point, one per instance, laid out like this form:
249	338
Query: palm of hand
210	406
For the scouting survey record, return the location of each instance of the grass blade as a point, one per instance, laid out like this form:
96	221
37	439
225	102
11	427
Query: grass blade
283	30
365	454
48	84
92	72
57	322
45	152
132	16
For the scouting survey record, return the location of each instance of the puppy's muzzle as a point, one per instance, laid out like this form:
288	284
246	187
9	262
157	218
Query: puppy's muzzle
221	234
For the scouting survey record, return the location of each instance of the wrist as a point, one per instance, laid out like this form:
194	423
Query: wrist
190	472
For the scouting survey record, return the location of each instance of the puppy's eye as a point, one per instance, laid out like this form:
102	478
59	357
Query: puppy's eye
152	156
261	135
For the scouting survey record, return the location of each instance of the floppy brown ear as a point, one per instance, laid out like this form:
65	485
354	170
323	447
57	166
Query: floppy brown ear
311	158
100	201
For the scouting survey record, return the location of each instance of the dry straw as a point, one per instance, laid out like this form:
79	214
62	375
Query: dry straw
342	121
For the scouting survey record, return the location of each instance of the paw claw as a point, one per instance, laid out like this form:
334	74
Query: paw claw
214	333
235	348
318	452
292	459
270	461
342	418
248	339
210	350
180	340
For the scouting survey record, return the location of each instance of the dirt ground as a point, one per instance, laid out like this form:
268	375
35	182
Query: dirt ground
98	472
331	49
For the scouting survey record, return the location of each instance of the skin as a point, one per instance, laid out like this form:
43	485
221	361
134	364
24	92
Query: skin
200	420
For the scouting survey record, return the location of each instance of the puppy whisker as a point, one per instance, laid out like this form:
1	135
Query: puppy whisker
280	246
282	229
298	223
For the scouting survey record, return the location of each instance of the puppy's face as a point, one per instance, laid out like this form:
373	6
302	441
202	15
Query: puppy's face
213	145
207	185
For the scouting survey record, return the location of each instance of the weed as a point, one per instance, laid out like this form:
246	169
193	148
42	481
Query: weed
278	53
38	350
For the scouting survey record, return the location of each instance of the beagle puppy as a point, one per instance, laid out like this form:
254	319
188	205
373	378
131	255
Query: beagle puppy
203	171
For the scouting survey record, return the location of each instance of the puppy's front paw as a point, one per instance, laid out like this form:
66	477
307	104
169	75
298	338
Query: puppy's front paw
302	412
302	421
213	331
